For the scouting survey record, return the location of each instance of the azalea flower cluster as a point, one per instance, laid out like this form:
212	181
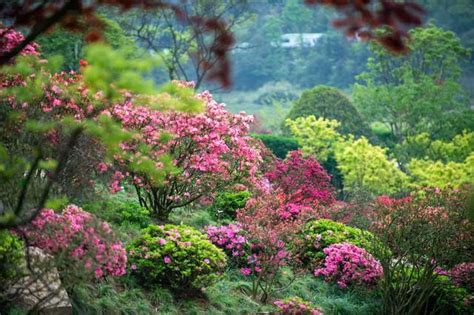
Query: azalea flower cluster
296	305
78	237
230	238
9	39
463	275
347	264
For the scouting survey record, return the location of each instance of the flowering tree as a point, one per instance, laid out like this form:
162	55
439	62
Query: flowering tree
302	181
209	151
270	234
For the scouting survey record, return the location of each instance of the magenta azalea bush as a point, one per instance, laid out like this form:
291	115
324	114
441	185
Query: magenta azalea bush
463	275
347	264
229	238
79	239
296	306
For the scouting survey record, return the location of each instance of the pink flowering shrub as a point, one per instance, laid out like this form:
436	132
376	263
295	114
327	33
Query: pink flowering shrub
296	306
177	256
463	275
79	240
11	38
347	264
302	181
230	238
212	150
270	234
317	235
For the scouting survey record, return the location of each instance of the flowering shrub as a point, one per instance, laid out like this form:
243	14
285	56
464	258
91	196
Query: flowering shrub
230	238
463	275
178	256
296	306
212	150
78	240
347	264
317	235
11	38
302	181
11	255
270	236
425	231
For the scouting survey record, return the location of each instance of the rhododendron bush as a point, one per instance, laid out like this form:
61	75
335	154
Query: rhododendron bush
210	151
270	232
317	235
78	241
296	305
177	256
347	264
426	231
59	124
302	181
231	239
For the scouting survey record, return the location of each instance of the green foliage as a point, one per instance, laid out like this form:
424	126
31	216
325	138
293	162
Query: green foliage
416	92
70	46
319	234
317	136
366	167
279	145
119	211
363	166
226	203
177	256
329	103
438	174
422	147
11	256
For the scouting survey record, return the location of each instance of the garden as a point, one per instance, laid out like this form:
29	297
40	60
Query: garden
128	187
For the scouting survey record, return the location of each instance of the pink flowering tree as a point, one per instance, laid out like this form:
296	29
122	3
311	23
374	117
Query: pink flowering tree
346	264
302	181
271	228
79	243
207	151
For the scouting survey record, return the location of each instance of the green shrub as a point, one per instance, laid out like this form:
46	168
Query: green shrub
330	103
279	145
319	234
120	211
11	255
227	203
177	256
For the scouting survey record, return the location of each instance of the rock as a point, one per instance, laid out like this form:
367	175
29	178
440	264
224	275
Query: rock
41	289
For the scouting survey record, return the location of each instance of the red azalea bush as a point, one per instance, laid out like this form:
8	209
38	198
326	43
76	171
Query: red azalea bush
437	222
347	264
212	150
78	240
296	306
302	181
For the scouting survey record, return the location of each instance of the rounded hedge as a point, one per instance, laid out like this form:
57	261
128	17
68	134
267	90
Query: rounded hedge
319	234
228	202
177	256
329	102
11	255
